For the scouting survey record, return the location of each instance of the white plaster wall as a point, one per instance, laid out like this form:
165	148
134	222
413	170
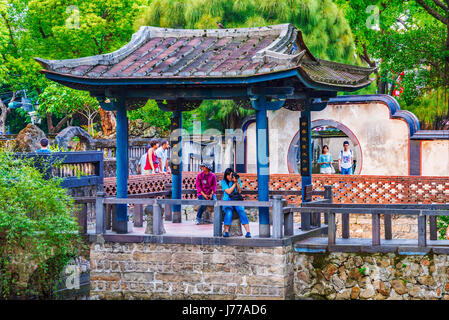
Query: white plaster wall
435	158
383	141
251	154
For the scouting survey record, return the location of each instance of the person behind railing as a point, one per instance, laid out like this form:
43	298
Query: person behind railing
325	161
44	146
142	161
162	154
152	162
232	188
345	159
206	187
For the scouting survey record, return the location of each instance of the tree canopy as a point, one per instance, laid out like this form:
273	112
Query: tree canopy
409	37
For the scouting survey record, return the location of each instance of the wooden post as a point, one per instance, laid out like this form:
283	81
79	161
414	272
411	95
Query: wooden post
263	172
176	161
167	212
108	213
168	207
82	217
114	217
278	217
345	225
375	229
331	229
100	226
288	220
138	215
305	221
217	221
421	230
388	230
120	221
157	219
316	219
328	194
433	227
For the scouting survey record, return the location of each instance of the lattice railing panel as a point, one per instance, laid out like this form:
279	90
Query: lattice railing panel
346	189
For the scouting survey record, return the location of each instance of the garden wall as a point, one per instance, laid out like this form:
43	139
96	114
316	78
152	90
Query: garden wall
180	271
343	276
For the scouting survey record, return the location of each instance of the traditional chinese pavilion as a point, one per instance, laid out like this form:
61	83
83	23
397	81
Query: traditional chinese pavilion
265	68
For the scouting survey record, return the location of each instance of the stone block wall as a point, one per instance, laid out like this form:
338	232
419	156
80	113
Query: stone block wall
343	276
180	271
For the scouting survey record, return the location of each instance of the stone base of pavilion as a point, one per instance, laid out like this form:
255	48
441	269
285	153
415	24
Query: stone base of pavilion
188	232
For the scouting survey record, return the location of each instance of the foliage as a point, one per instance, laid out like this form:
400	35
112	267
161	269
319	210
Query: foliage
150	113
38	230
325	30
56	29
222	115
17	120
56	148
408	38
63	101
442	225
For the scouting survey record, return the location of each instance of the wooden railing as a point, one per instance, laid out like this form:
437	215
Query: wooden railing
423	212
78	169
162	204
102	219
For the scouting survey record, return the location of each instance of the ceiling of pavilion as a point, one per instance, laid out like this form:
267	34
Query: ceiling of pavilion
160	53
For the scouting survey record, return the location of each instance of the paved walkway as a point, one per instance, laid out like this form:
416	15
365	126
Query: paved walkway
188	228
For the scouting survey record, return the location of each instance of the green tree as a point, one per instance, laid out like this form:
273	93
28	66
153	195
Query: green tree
409	37
56	29
38	228
65	102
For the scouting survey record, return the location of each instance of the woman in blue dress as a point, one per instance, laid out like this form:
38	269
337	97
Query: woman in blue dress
232	185
325	160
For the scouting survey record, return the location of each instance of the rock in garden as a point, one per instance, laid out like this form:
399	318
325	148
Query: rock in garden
368	292
398	286
355	291
426	280
329	270
65	136
28	139
149	133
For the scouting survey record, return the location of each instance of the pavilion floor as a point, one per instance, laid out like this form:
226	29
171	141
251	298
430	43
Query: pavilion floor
189	233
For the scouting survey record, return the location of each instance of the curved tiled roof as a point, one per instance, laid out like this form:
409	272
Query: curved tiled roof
161	53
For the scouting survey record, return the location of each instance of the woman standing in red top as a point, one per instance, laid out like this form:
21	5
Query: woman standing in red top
152	162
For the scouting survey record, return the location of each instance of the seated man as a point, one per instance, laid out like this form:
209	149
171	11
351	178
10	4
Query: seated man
206	187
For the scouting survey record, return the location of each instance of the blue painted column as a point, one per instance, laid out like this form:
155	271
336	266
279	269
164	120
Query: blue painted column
176	162
263	171
122	165
305	147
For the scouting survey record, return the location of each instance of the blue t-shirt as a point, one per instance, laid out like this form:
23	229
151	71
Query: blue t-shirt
225	185
325	158
43	151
